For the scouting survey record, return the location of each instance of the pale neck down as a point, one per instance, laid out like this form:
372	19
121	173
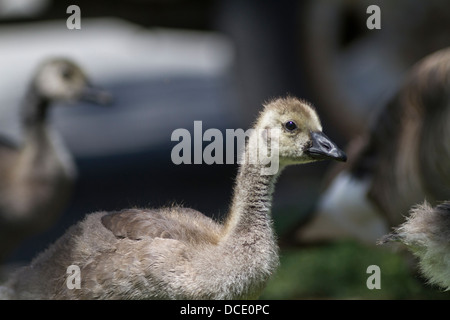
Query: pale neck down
251	206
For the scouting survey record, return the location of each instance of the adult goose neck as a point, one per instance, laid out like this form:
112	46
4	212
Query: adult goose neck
34	109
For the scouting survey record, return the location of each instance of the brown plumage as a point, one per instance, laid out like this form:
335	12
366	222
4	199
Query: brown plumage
178	253
402	160
36	178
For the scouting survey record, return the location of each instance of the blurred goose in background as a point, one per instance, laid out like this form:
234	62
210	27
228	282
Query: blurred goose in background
426	233
404	159
36	177
178	253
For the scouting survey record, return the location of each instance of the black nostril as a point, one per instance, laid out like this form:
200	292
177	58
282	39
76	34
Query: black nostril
323	147
327	146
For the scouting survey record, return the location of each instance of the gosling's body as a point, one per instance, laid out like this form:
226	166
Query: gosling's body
426	233
178	253
404	159
37	176
150	264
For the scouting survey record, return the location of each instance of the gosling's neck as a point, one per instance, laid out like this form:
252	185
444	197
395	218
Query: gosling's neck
250	211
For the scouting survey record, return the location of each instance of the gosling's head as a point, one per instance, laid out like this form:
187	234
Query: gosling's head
301	138
426	233
60	79
425	227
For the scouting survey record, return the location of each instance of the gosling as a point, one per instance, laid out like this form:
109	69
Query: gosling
426	233
178	253
37	177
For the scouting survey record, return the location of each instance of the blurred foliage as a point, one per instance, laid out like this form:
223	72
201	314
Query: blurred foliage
338	271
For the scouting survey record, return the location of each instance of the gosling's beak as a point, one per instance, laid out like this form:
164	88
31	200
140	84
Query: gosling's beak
95	95
391	237
323	148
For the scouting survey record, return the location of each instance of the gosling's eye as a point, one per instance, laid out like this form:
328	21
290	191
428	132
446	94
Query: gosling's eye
290	125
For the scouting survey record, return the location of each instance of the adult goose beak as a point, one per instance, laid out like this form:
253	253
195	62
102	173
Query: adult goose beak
95	95
323	148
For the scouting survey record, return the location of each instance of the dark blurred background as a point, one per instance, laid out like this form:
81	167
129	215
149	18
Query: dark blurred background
169	63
